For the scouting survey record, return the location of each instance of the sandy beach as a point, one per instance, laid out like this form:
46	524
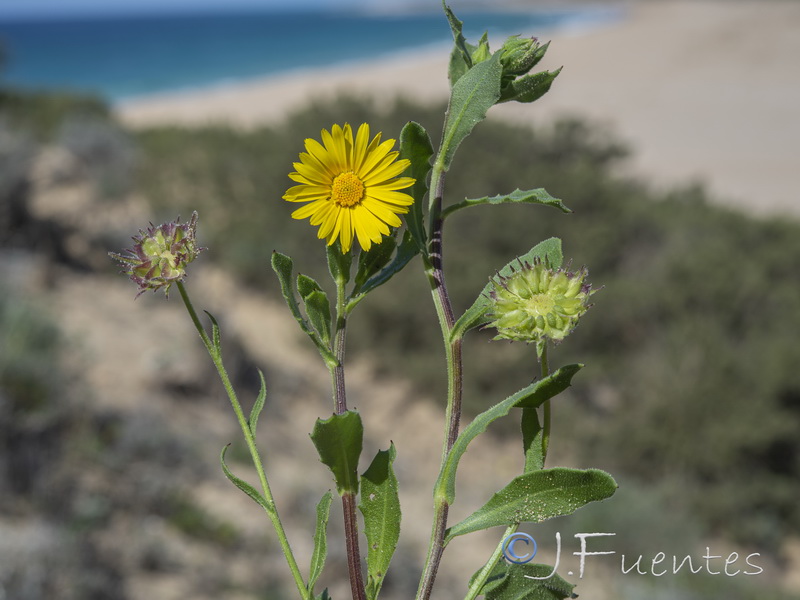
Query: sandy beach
701	91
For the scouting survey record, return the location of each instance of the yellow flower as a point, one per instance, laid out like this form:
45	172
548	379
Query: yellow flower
351	187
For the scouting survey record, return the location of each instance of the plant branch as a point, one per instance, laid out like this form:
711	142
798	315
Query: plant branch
444	311
340	402
249	436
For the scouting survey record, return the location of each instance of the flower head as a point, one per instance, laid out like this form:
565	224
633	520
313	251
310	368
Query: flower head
537	303
351	186
160	255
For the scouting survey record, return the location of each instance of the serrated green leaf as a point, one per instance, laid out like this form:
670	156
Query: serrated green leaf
532	440
537	196
372	261
252	420
530	397
282	265
380	505
537	496
244	486
405	252
415	145
339	262
472	96
338	441
461	55
525	582
320	552
549	250
529	87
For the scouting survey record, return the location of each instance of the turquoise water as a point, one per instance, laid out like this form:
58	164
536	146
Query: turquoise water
121	58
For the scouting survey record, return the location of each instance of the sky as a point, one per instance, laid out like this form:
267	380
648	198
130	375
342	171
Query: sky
10	8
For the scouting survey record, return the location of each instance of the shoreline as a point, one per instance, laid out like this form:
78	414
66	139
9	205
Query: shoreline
702	91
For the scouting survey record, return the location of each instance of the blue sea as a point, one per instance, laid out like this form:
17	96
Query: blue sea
124	57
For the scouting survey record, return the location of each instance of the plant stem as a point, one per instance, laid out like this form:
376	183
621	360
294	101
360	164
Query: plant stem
546	412
444	311
340	402
480	580
216	357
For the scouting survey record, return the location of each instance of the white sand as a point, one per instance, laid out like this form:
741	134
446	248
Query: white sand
703	91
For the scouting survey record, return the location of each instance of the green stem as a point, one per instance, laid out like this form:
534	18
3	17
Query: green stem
480	580
546	414
249	437
444	310
340	401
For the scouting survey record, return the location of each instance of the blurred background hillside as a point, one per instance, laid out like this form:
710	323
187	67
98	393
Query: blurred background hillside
111	419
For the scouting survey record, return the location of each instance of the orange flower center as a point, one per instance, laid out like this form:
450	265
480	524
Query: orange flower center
347	190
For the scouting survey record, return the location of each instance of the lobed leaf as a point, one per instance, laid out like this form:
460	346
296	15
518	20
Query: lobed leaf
338	441
537	496
380	505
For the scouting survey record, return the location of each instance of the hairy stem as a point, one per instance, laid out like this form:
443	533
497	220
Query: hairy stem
444	311
546	414
340	402
249	437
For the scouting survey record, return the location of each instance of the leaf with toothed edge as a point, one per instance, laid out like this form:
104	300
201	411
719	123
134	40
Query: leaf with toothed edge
339	440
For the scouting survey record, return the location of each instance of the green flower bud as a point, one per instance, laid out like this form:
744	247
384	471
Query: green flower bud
520	55
160	255
536	303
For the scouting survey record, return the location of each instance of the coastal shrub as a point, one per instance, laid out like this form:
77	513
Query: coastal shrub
692	343
41	114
